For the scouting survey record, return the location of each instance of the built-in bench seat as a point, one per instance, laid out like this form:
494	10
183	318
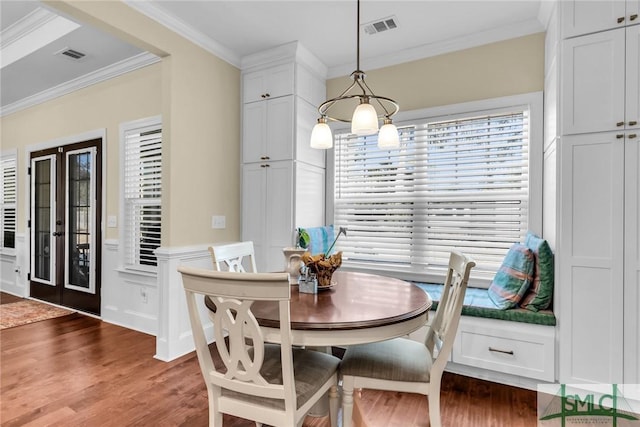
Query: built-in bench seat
478	304
514	346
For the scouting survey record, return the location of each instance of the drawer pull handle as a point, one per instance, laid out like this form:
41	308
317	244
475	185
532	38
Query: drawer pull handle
497	350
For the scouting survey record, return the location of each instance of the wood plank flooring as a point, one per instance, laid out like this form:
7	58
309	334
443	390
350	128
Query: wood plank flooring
79	371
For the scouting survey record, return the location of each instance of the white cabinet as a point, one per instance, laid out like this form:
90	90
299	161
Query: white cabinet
581	17
597	257
632	258
514	348
592	237
632	89
283	179
593	82
278	197
267	206
600	81
268	83
267	130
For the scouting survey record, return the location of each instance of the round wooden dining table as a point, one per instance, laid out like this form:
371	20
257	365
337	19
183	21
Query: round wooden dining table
360	308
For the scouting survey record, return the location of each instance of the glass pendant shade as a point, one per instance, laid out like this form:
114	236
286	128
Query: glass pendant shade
364	120
321	136
388	137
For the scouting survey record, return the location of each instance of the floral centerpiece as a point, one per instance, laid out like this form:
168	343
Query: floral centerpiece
323	265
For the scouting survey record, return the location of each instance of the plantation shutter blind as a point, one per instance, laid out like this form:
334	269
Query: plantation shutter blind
142	195
453	184
8	202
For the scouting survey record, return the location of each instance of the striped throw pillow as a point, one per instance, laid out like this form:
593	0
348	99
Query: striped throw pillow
513	278
539	295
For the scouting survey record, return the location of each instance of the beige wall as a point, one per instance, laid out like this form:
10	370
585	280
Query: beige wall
498	69
102	106
198	96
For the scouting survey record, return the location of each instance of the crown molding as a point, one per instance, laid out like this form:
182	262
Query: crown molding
520	29
106	73
177	26
31	22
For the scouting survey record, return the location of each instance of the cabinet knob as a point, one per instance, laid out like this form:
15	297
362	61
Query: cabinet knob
633	17
264	157
262	96
620	124
620	136
632	136
621	20
267	95
633	123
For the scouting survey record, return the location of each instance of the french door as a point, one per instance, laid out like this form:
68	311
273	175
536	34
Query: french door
65	225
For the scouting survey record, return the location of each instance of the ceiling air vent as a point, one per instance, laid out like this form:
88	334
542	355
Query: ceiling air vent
381	25
71	54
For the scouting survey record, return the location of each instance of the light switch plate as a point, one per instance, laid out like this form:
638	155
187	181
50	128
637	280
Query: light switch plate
218	221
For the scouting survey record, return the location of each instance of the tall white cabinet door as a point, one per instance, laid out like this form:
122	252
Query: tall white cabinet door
590	258
254	131
632	260
588	16
254	200
593	82
278	213
280	129
632	91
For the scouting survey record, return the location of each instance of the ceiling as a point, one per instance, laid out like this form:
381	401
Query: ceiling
32	36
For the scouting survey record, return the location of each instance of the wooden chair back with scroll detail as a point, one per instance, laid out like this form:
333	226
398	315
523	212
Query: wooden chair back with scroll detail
404	365
257	381
230	257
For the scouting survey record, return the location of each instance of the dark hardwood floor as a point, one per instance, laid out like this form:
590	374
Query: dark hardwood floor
79	371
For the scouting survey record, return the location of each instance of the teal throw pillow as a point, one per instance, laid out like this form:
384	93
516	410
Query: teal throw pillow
513	278
540	294
320	239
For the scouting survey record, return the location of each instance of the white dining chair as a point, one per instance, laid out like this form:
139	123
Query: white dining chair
230	257
271	384
405	365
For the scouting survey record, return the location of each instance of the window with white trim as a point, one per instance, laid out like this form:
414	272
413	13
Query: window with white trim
8	196
141	144
456	182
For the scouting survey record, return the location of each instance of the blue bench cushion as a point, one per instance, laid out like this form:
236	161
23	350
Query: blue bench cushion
478	304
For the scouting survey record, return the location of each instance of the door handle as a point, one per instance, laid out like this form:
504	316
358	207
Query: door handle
57	233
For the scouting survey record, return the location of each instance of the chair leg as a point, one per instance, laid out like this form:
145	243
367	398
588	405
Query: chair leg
215	416
434	408
347	401
333	405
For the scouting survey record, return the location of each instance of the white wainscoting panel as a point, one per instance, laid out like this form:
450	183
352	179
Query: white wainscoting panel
174	337
14	267
129	298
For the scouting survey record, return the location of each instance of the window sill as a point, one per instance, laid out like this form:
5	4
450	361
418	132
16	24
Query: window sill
137	272
8	252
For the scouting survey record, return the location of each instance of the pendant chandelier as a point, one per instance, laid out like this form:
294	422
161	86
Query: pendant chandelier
370	111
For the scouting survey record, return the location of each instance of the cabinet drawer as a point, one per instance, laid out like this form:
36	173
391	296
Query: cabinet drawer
510	347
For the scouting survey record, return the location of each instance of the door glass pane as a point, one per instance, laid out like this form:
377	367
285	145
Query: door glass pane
42	220
79	225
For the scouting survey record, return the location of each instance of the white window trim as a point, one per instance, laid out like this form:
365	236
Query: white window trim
533	100
4	155
124	127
